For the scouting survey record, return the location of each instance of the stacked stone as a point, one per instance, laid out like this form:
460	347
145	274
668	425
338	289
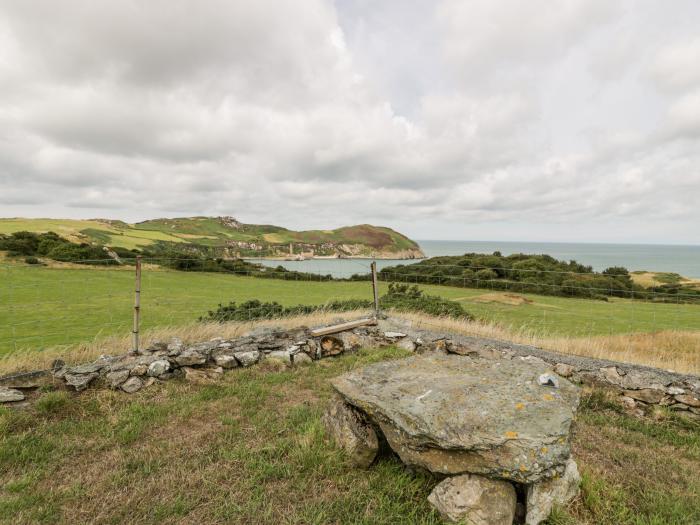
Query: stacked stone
162	361
497	429
639	388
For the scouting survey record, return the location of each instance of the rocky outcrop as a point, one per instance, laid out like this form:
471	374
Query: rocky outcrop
451	414
474	500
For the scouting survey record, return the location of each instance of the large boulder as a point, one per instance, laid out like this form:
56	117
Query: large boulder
475	500
352	432
452	414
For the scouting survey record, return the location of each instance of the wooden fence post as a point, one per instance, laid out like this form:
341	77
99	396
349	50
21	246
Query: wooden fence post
137	306
375	288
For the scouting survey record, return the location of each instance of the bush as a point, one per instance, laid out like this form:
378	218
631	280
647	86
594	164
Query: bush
254	309
405	298
401	297
32	260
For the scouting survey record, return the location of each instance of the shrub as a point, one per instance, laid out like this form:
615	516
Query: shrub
401	297
254	309
32	260
405	298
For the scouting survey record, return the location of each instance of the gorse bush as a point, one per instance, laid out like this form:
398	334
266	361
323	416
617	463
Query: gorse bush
254	309
405	298
52	246
399	297
540	274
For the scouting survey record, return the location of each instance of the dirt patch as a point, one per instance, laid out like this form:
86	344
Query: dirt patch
502	298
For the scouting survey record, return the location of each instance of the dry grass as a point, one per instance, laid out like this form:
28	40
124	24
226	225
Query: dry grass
649	279
667	349
191	333
502	298
670	350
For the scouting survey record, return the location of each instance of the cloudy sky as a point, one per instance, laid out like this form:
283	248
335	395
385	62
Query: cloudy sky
451	119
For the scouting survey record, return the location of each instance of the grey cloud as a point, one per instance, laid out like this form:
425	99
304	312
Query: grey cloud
448	115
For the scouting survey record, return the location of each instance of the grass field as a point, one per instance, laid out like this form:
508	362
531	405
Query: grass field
250	449
42	307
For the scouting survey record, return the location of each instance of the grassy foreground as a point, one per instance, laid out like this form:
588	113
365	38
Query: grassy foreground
42	307
250	449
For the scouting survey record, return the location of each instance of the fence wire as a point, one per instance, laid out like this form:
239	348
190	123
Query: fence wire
74	302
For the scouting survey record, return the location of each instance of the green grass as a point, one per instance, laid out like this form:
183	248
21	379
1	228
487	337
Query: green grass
42	307
250	448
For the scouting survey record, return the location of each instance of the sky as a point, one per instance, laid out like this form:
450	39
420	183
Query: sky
575	120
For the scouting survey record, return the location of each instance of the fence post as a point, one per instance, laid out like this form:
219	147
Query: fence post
137	306
375	288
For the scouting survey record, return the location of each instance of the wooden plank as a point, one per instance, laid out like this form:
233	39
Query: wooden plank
334	329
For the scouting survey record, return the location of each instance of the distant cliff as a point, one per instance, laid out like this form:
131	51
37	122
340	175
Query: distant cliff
230	237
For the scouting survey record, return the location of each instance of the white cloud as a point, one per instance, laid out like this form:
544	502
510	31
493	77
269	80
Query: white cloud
449	119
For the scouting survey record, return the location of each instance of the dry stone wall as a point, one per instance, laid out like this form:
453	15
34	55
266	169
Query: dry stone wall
638	387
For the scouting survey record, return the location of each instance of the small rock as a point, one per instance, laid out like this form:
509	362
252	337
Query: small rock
280	355
548	380
247	358
564	370
158	346
463	350
202	375
628	402
175	346
394	335
647	395
544	495
679	406
131	385
406	344
79	381
474	500
190	357
158	368
116	378
689	400
674	390
8	395
87	368
611	375
352	432
139	369
302	359
226	361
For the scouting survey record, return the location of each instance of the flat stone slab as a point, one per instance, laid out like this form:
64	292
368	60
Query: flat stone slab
453	414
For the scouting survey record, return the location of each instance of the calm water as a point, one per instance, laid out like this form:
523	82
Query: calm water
684	260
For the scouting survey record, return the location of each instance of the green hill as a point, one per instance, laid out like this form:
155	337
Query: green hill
229	236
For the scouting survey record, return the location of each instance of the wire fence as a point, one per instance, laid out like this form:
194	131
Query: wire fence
70	302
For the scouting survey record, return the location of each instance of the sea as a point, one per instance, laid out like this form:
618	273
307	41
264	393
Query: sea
681	259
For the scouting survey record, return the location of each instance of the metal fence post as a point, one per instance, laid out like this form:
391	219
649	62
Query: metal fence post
375	288
137	306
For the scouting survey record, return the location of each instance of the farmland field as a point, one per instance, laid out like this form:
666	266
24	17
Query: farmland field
42	307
